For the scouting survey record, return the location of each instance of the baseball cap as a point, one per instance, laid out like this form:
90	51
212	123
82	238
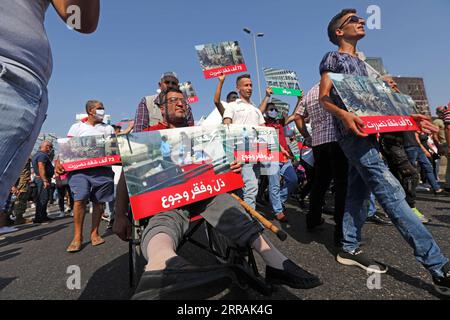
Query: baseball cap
169	74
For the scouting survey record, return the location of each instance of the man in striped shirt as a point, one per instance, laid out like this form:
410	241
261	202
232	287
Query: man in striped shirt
329	161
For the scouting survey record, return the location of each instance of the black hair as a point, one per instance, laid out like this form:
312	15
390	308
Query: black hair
334	25
91	104
166	92
229	94
244	76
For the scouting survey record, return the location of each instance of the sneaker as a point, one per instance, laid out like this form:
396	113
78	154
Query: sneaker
106	217
378	219
110	224
60	215
21	221
313	226
68	210
360	259
423	188
442	284
292	275
420	215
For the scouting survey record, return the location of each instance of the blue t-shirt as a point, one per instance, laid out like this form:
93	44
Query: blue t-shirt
45	159
344	63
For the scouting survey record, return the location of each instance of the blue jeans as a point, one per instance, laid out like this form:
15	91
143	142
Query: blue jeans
279	194
23	107
368	173
250	175
372	207
42	198
416	154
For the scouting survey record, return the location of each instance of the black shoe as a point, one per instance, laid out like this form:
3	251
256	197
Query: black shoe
312	226
361	260
110	224
378	219
192	283
292	275
442	284
261	201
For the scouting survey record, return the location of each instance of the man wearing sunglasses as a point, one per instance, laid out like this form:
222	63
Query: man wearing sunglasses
148	113
367	171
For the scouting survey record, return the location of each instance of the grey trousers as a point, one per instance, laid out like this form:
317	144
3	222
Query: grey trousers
222	212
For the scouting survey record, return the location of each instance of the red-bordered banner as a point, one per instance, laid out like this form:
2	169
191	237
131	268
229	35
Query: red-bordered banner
259	156
380	124
192	99
217	72
91	163
200	187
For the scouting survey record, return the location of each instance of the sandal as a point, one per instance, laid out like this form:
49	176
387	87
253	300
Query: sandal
97	241
74	246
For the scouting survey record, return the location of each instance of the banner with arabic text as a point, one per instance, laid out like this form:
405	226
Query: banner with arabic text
79	153
381	109
189	92
283	82
220	58
168	169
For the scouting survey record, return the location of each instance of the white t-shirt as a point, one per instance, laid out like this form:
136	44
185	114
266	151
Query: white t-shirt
241	112
84	129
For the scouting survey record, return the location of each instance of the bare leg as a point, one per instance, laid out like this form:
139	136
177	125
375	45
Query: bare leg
96	219
79	209
160	249
271	255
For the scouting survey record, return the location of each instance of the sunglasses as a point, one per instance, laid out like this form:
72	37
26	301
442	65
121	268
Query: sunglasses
273	109
173	83
351	19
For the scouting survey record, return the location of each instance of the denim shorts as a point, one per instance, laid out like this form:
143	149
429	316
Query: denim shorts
23	108
95	184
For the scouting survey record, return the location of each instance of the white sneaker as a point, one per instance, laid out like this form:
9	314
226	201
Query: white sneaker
61	215
68	210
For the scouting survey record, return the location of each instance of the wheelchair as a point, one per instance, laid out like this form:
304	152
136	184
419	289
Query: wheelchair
239	261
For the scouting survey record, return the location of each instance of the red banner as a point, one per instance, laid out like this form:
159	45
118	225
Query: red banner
380	124
91	163
217	72
200	187
193	99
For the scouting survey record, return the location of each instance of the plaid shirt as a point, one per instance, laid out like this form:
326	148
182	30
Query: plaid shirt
322	123
142	118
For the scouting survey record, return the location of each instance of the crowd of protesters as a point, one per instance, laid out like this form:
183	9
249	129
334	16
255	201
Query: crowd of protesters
359	169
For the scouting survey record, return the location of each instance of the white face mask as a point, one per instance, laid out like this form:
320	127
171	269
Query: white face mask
272	114
100	114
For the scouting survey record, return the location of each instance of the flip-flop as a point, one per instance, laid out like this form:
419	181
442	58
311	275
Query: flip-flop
97	241
74	246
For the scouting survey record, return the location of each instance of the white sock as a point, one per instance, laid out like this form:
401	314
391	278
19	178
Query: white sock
160	249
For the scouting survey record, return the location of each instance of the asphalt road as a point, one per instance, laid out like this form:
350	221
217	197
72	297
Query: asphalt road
34	263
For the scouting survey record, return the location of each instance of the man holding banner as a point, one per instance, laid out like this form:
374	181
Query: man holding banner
367	171
93	184
161	237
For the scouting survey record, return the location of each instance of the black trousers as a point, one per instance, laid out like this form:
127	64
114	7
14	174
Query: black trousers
330	163
398	162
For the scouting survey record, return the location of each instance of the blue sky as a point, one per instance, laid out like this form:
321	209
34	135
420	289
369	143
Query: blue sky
138	40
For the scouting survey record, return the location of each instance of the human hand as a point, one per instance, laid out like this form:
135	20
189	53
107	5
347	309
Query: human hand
222	78
425	124
269	91
236	167
122	227
353	123
14	190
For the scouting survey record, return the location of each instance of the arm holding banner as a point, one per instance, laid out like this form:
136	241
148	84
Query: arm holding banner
217	95
350	121
122	226
265	101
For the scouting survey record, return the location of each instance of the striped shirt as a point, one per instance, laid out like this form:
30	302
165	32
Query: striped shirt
322	123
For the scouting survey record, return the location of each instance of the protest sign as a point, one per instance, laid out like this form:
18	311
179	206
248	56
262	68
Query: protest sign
189	92
221	58
283	82
168	169
79	153
381	109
